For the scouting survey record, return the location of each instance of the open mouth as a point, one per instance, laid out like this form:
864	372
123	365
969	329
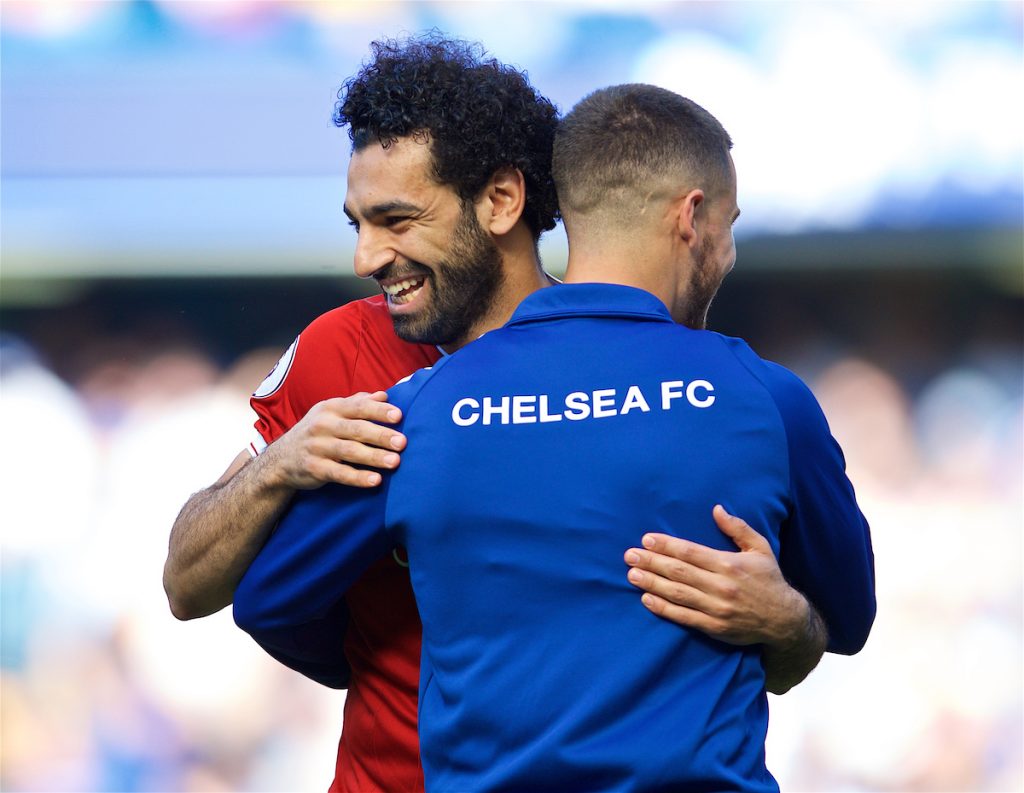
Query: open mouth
403	292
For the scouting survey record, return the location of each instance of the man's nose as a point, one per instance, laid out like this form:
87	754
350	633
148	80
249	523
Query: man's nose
372	254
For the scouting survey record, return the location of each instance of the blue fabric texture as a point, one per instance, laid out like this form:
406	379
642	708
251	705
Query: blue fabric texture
537	455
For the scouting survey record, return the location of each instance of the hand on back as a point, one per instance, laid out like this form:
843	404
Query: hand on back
336	441
739	597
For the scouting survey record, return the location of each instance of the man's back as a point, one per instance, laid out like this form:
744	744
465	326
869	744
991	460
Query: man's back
540	452
588	420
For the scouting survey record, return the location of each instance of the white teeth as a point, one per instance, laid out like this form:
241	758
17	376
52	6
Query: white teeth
393	290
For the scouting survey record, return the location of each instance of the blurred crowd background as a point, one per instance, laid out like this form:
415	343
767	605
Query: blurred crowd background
171	199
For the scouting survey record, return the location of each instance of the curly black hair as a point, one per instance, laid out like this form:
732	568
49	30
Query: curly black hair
479	115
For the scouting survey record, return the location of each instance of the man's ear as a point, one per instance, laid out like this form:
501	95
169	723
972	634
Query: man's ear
689	212
503	200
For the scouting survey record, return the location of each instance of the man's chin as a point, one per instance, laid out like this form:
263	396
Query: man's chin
416	330
407	329
450	338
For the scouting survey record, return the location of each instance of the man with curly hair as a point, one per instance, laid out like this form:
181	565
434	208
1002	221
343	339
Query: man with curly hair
449	188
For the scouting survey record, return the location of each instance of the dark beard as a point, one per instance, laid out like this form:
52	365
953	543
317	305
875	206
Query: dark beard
702	290
462	287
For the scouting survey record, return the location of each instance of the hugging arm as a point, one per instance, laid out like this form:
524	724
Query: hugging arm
820	594
291	599
221	528
739	597
825	545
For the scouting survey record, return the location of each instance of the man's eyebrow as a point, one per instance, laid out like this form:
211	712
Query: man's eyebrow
386	207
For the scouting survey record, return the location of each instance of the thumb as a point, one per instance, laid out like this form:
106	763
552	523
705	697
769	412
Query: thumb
739	531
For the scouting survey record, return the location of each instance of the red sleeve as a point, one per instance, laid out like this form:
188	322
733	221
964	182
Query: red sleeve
349	349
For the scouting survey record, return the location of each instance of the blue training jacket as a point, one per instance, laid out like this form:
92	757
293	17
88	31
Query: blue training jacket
537	455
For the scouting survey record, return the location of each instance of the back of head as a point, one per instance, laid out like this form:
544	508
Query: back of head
478	115
623	146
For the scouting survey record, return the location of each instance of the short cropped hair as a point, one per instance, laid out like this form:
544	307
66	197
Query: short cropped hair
623	142
478	115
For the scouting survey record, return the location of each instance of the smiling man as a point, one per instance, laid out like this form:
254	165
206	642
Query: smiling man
450	188
482	256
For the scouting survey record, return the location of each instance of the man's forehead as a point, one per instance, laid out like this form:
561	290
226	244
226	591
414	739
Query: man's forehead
402	154
378	173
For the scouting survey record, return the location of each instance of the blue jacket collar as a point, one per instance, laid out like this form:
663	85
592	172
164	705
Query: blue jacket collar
592	300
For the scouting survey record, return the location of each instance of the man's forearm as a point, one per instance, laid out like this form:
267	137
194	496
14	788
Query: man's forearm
789	660
216	536
221	529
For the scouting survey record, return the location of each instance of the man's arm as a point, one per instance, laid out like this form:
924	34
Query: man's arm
290	599
825	543
737	597
220	529
787	664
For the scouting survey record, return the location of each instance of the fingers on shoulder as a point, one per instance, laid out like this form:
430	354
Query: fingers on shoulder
372	408
356	451
323	470
354	477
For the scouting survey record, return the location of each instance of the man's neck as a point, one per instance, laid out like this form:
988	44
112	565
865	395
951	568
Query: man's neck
519	282
648	259
622	273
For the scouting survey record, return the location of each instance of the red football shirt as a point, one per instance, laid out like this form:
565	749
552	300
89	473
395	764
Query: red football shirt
354	348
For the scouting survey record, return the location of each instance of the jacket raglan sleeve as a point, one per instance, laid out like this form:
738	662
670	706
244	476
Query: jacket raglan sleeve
825	543
291	599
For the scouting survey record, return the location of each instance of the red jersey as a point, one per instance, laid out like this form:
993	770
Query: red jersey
350	349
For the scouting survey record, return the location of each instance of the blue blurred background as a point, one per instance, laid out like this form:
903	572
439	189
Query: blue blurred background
170	217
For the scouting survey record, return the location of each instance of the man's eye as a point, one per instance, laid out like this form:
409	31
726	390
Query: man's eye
394	220
354	224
